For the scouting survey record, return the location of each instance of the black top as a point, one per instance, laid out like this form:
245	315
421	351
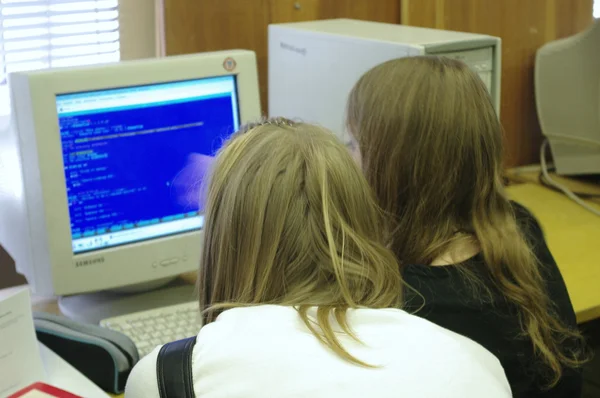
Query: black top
453	303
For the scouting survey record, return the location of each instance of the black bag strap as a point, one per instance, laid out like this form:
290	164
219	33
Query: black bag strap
174	369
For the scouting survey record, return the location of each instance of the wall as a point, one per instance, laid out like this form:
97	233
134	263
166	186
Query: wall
209	25
524	26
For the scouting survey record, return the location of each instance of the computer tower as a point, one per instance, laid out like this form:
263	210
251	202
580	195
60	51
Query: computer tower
314	65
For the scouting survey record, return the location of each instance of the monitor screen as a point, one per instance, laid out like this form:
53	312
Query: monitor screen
134	157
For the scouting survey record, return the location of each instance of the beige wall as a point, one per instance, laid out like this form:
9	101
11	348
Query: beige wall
139	22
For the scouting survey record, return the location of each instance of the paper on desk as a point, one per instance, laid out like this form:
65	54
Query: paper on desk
20	361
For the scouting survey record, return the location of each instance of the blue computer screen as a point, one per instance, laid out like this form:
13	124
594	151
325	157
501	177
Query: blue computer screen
134	157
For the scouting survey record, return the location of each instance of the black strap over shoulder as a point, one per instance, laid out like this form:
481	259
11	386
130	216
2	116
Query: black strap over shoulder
174	369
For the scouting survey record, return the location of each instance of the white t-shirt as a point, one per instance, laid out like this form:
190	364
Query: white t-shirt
267	351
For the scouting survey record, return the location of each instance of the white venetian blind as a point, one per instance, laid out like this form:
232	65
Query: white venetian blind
37	34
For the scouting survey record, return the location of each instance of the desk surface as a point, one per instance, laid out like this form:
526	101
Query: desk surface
51	304
573	235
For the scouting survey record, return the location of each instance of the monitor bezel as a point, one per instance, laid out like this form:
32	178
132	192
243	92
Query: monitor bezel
44	179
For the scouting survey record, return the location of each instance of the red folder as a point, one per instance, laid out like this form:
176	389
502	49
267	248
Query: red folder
42	390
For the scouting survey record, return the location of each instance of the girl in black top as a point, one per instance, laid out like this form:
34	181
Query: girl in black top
430	144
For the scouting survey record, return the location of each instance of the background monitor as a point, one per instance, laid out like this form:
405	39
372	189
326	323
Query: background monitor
100	173
567	94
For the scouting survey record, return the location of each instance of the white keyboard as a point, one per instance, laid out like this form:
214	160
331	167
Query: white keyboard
152	328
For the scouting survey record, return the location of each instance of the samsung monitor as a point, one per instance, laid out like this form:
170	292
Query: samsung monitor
100	175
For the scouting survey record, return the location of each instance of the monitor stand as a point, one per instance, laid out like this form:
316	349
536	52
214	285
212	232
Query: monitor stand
94	307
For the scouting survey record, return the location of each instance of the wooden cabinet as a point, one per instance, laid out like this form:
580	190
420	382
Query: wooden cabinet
207	25
524	25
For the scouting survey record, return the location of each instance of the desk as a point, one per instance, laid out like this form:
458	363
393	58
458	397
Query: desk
573	235
50	305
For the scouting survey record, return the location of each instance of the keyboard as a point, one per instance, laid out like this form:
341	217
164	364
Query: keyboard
153	328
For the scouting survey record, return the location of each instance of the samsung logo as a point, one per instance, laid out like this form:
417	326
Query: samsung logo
85	263
295	49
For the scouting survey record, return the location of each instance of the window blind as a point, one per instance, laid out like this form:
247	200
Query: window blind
37	34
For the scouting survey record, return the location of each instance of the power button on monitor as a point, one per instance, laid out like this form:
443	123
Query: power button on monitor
170	261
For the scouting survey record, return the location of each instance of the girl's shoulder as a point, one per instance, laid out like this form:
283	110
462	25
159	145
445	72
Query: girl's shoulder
527	222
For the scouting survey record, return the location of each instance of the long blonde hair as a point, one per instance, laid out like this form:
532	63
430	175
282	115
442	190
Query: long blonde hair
291	220
431	147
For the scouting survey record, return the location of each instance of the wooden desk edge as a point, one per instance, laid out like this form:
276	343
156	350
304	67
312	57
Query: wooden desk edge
588	314
529	175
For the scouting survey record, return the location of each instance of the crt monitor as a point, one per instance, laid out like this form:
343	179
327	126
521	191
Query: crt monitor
100	176
567	94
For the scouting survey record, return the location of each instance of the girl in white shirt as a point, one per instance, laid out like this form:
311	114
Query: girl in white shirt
297	292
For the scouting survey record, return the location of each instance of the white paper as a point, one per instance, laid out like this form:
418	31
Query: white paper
20	361
36	394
